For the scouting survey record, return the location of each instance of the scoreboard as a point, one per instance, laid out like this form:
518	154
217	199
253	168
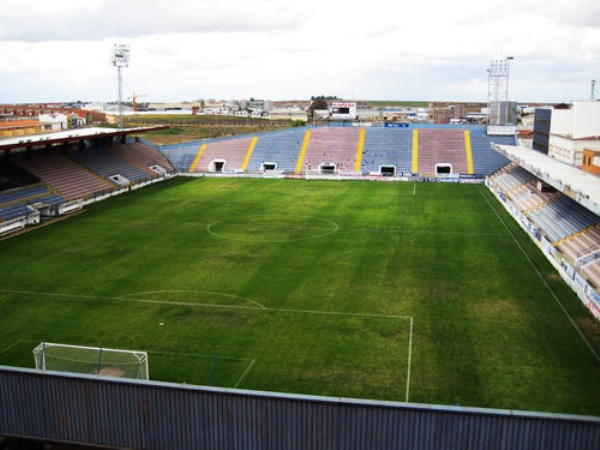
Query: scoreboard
343	111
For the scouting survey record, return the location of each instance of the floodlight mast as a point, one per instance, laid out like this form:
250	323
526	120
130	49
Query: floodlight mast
120	59
498	107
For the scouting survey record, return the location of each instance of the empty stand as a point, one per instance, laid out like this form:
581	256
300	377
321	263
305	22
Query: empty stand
282	148
485	159
559	217
581	245
142	156
336	145
387	146
527	196
15	202
181	156
442	146
511	178
13	176
339	146
63	175
107	164
229	154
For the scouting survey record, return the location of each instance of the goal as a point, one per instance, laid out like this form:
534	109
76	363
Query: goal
91	360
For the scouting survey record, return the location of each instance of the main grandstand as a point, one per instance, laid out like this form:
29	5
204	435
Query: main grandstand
49	176
438	151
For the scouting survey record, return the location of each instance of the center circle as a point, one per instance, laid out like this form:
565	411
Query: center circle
270	228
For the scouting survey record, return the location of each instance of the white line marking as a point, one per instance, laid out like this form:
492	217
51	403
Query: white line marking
225	185
328	231
259	307
337	313
410	344
539	274
190	291
200	355
244	374
14	345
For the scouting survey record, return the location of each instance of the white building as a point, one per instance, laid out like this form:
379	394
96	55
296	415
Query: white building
57	122
572	130
291	113
218	111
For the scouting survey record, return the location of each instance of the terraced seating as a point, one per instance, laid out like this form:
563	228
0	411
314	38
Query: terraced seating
592	271
387	146
442	146
570	226
181	156
527	197
382	146
14	203
12	176
64	175
562	218
512	178
232	151
14	211
22	194
281	147
581	245
142	156
337	145
106	164
485	159
575	214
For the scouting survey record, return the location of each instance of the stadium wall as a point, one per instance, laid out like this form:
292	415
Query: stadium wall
109	412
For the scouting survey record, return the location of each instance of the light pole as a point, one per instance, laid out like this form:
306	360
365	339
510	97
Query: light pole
120	59
498	107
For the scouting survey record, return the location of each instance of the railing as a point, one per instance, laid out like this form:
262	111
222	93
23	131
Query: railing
588	250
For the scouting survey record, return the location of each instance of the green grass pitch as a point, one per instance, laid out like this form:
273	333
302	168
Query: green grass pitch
427	293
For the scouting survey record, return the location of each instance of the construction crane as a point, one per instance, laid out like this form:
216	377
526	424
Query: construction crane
134	100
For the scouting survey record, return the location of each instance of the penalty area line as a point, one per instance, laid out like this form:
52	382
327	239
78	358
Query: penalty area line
410	346
15	344
245	373
249	361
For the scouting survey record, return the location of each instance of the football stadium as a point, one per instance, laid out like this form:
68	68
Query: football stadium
333	286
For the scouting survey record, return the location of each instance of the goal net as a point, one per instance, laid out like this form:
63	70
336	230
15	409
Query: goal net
91	360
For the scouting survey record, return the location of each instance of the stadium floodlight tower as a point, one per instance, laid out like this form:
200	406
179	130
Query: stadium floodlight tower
498	105
120	59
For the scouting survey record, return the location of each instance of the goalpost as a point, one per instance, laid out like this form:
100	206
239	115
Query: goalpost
91	360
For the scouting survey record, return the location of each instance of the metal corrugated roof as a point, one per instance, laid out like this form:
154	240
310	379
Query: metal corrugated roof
73	134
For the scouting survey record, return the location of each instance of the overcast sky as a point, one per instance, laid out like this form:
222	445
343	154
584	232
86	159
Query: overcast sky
59	50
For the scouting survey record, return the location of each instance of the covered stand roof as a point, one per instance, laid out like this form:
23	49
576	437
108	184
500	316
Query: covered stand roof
583	187
71	135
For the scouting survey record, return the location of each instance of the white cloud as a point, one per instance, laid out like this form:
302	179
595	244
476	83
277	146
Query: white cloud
185	49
